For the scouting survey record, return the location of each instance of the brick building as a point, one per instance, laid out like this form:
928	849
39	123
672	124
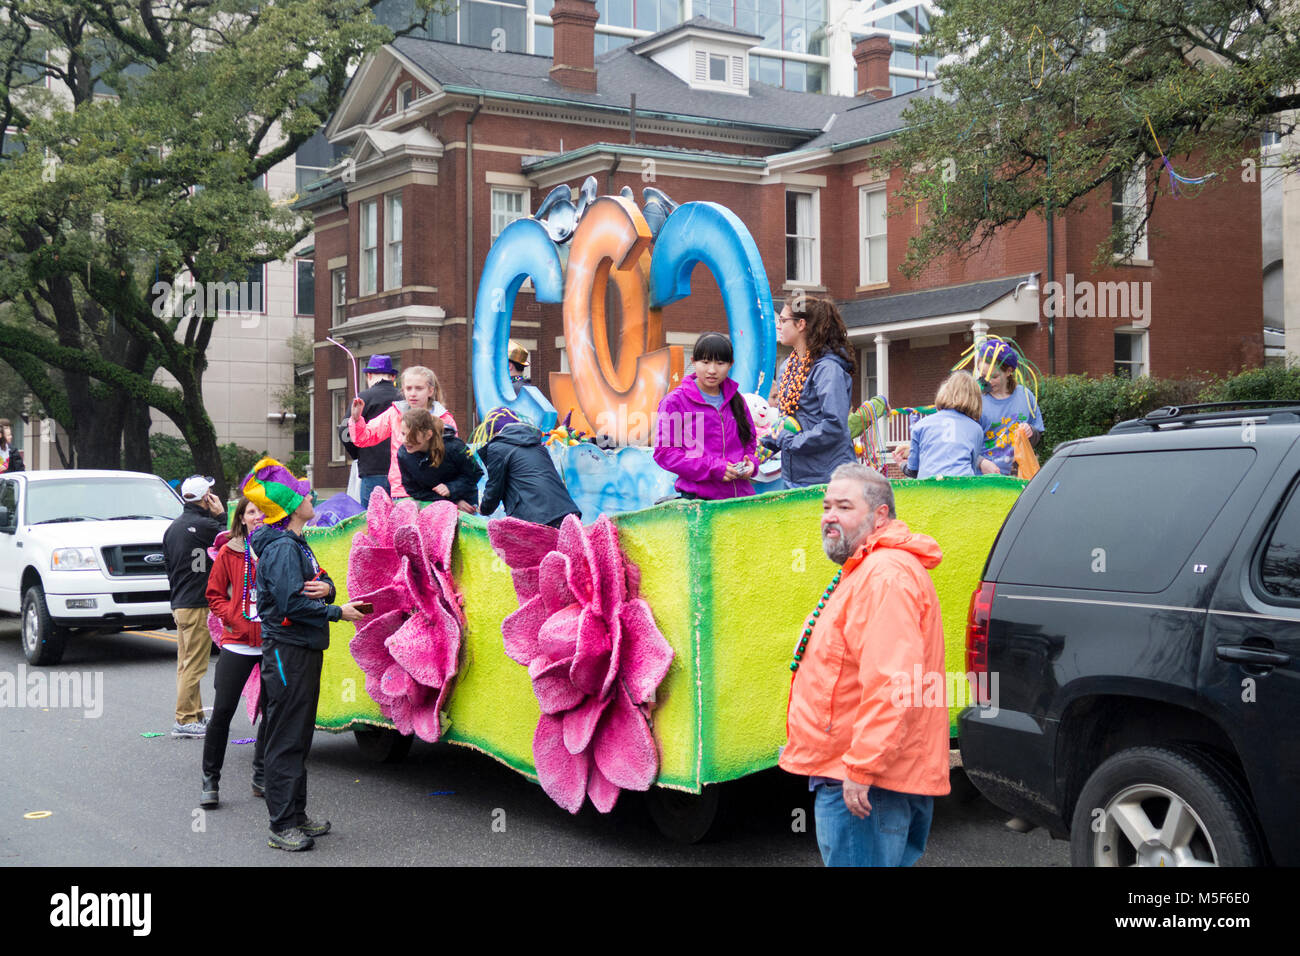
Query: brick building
451	142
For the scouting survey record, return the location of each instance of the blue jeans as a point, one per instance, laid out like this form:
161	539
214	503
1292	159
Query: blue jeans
894	833
369	483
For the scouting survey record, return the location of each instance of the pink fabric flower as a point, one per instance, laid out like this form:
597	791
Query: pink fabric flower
594	655
409	648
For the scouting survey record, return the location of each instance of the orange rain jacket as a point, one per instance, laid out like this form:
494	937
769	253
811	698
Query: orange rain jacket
858	707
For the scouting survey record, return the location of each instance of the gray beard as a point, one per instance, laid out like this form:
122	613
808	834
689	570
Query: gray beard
840	549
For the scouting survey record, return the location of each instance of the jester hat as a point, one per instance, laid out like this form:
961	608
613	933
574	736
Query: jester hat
275	491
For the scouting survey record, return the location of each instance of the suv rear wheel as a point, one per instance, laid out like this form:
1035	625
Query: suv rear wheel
42	639
1163	806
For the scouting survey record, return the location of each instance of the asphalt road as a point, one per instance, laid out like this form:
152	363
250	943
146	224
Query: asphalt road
100	793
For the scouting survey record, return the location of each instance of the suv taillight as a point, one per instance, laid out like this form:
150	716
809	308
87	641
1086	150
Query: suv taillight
977	633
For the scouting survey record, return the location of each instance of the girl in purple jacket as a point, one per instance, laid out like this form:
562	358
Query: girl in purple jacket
703	430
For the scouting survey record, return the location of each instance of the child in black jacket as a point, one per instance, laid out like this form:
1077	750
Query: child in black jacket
436	465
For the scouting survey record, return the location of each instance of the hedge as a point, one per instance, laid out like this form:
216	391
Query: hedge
1075	406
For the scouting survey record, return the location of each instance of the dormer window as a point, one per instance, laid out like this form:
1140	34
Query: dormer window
703	54
405	94
719	70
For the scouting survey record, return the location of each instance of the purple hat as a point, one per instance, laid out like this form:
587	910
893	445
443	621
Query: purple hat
381	364
999	353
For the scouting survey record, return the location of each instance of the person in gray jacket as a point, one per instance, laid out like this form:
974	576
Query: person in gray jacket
814	391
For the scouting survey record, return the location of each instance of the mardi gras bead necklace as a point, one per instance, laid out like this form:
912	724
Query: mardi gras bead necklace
790	388
248	579
812	621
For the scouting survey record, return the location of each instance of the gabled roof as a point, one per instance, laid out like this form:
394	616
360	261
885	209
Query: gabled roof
954	300
696	23
620	73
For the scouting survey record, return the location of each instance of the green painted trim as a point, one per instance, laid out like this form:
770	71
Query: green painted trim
701	534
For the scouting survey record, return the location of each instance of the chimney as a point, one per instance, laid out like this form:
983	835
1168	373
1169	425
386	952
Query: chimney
574	63
872	56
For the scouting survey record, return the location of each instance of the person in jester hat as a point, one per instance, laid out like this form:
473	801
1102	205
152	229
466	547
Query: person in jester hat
294	602
1007	408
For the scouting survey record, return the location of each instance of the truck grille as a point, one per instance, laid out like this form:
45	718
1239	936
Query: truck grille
141	597
129	560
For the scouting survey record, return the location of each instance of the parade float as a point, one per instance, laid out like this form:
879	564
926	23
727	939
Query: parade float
647	647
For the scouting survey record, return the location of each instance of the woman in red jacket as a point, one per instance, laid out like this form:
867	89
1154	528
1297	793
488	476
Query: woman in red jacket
232	595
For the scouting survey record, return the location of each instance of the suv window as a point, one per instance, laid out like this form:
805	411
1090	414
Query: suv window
1279	571
1123	522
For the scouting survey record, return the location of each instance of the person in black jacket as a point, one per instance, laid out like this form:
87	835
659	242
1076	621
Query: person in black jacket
294	596
373	460
436	465
185	548
521	473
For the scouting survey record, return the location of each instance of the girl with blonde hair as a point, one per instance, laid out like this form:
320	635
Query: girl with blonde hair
421	390
950	442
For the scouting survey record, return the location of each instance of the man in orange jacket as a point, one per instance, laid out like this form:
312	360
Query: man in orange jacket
875	755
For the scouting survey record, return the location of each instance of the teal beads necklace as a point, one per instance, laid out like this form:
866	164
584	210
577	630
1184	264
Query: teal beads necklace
812	621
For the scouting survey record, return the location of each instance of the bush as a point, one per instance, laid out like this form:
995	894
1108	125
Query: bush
1272	383
172	459
298	463
1075	406
236	462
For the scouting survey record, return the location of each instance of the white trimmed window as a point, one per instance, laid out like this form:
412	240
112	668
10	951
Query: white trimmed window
1129	206
339	284
405	94
873	265
369	247
393	241
507	206
1131	353
339	413
802	246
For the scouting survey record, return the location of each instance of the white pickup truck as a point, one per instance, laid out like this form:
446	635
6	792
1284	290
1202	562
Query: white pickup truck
82	551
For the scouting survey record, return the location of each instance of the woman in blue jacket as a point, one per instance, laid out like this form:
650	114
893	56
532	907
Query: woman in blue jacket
814	391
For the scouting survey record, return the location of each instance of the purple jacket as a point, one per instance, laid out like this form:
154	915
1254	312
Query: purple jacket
696	441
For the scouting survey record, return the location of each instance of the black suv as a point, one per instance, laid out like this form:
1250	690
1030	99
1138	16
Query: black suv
1139	623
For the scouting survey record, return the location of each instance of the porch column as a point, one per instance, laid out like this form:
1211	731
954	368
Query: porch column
979	329
882	367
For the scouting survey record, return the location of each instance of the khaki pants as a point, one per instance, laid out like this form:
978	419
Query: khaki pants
193	648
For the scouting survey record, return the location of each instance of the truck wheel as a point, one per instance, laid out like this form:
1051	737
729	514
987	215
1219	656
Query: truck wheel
1163	806
684	817
43	640
382	745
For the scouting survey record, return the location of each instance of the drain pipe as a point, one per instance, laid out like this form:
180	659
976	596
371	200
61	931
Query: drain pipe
469	269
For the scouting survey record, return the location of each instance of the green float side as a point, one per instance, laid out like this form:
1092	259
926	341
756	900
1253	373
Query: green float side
730	583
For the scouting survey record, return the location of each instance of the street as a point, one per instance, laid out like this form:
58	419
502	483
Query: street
99	793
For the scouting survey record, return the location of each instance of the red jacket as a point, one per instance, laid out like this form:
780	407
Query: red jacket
226	596
858	703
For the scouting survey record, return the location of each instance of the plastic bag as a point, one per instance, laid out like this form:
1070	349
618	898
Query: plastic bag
1026	459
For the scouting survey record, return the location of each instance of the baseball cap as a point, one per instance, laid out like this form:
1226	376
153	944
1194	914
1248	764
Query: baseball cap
195	487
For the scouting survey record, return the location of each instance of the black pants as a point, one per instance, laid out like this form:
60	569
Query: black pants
232	673
291	684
